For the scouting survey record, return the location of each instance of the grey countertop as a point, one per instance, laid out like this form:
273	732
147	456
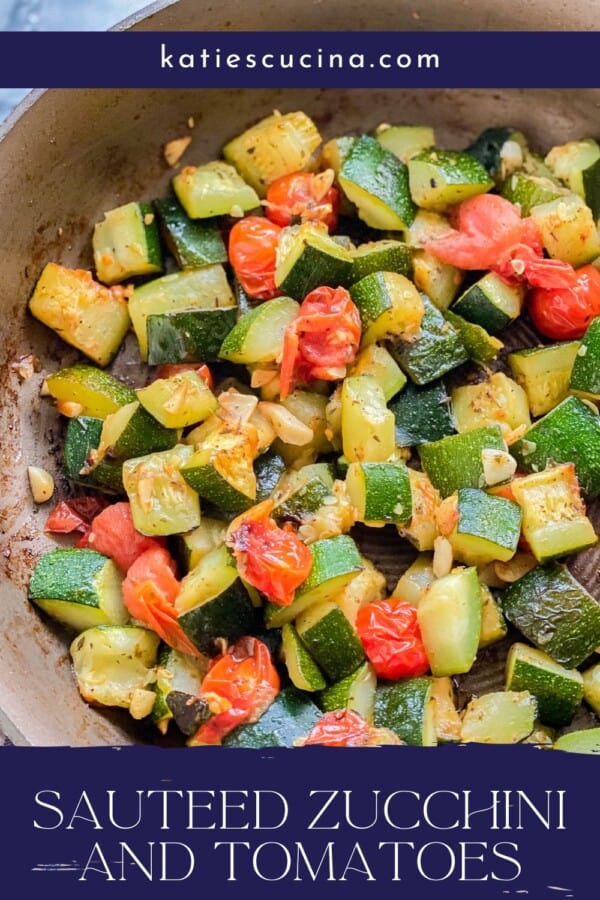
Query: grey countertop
58	15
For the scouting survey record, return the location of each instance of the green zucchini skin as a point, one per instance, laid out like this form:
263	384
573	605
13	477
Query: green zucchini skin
423	414
82	436
557	690
568	433
454	462
377	181
332	642
585	375
381	256
193	242
193	335
555	612
438	348
487	146
289	718
403	707
230	615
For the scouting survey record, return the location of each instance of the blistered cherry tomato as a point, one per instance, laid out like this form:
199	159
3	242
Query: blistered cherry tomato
390	634
253	243
304	197
564	314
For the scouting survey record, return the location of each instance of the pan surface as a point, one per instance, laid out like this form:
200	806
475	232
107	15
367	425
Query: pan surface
66	156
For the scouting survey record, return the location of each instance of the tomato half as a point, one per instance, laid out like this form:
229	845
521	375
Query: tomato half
114	534
253	243
74	515
239	686
304	197
492	235
564	314
340	728
390	634
274	560
150	589
322	340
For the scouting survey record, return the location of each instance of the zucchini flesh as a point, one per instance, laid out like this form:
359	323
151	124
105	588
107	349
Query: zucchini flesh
496	401
303	670
557	690
544	373
389	305
455	462
82	438
213	189
501	717
568	229
436	349
376	181
356	691
161	501
258	335
188	335
181	400
449	615
367	423
126	243
193	243
488	528
97	392
440	178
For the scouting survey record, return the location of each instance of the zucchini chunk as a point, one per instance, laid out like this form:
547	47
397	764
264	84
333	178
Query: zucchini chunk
405	141
330	639
436	349
181	400
367	423
555	612
78	587
221	471
307	258
554	519
126	243
97	392
487	528
490	149
303	670
389	305
568	229
422	529
258	335
585	375
276	146
456	461
192	546
193	242
300	492
205	288
587	741
380	256
447	717
496	401
188	335
493	623
591	687
407	708
213	603
449	616
378	362
82	439
89	316
213	189
423	414
544	373
115	666
161	501
490	303
376	181
441	178
132	431
501	717
527	191
558	691
481	346
380	492
569	433
288	719
356	691
415	580
574	163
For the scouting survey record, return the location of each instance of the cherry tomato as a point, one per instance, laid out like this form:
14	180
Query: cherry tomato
322	340
239	686
492	235
167	370
564	314
390	634
272	559
304	197
253	243
114	534
339	728
149	592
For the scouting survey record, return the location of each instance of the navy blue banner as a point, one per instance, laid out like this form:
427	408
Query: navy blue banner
470	822
300	59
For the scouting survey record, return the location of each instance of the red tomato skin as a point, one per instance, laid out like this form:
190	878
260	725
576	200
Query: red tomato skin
564	314
114	534
322	340
273	560
74	515
390	634
244	682
253	243
339	728
303	197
